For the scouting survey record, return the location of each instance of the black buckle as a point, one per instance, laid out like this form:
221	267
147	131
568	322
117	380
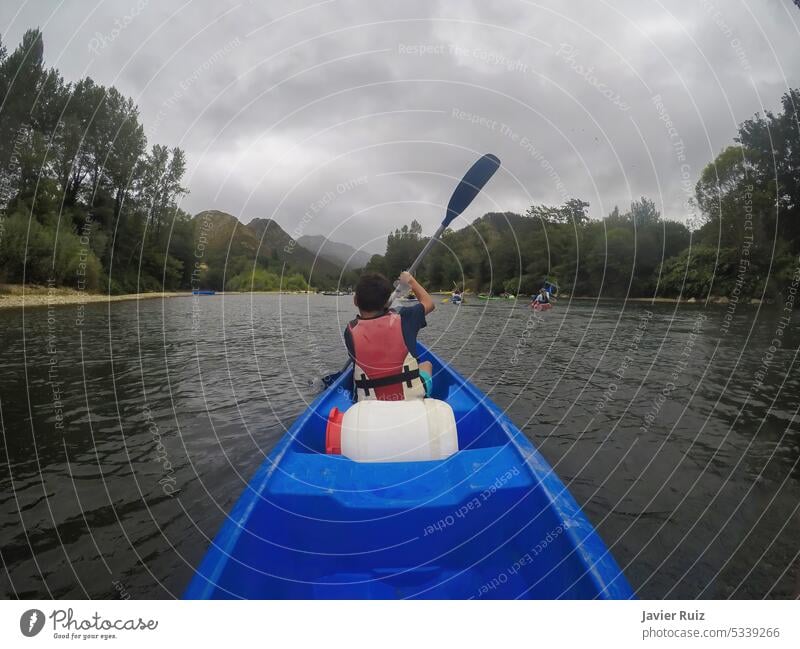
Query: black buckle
406	376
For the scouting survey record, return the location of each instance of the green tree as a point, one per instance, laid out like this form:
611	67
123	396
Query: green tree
643	212
20	76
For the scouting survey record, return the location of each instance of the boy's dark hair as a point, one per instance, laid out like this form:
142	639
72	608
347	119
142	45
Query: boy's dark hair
372	292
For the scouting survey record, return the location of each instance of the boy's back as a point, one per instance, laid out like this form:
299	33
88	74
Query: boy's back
383	342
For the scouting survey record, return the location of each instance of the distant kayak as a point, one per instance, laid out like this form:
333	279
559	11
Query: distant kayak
204	292
490	521
538	306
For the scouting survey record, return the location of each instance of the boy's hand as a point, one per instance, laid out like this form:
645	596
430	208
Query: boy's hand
406	278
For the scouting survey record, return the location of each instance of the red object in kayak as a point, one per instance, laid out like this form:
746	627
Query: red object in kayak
538	306
333	432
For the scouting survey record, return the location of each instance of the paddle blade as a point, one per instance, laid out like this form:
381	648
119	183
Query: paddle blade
473	181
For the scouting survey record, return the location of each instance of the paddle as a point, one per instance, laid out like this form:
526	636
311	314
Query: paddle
472	183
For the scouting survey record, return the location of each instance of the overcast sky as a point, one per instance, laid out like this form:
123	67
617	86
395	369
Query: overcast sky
350	118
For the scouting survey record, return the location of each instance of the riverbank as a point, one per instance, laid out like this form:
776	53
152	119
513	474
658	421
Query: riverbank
16	296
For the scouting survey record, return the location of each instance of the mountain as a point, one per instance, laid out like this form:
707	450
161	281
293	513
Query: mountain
338	253
279	243
225	248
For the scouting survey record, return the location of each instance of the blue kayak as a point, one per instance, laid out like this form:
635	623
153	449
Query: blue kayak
492	521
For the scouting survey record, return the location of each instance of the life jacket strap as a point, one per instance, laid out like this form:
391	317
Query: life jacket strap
406	376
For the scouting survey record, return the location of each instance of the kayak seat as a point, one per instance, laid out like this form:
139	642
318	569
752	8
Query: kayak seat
394	485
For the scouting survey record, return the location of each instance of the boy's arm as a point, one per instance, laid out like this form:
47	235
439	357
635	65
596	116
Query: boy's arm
420	293
348	343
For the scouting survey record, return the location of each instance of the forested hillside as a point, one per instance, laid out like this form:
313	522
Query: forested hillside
259	256
746	245
86	202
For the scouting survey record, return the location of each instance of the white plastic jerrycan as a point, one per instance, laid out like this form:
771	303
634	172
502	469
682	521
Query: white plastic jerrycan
393	431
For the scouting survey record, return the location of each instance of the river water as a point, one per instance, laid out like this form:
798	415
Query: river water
130	429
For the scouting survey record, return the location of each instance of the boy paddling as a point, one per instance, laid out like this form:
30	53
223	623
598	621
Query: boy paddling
542	298
382	342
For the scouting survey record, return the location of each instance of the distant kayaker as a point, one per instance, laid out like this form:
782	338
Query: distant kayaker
382	342
542	298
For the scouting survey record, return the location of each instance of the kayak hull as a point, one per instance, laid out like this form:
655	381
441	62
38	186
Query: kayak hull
492	521
541	307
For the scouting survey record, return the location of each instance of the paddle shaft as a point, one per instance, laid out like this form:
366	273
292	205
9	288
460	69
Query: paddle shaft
400	289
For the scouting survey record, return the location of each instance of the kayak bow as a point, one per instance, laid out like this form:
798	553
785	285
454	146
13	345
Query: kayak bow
492	521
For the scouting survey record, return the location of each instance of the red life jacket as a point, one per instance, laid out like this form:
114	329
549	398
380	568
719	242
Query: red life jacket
384	368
